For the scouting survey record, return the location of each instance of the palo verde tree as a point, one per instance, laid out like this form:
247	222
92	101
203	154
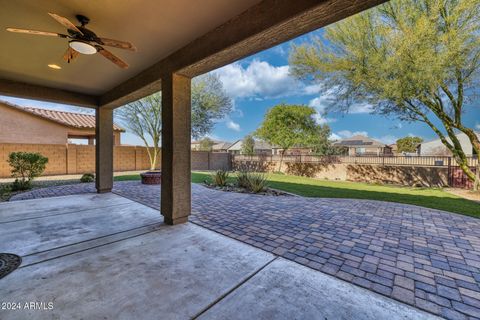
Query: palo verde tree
288	126
248	145
416	59
408	144
144	117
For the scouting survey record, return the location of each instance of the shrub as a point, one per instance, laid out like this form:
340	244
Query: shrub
87	177
25	167
242	178
257	182
219	178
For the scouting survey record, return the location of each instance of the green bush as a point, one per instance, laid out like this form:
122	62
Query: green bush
25	167
242	178
219	178
87	177
257	182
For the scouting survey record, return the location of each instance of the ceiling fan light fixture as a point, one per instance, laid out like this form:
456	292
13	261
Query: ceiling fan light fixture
82	47
54	66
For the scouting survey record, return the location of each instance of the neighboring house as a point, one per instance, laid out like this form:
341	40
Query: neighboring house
41	126
294	151
394	149
261	148
437	148
363	146
221	147
218	145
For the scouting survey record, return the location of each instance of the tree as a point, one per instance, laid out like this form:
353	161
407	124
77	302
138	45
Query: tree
287	126
209	103
248	145
206	144
408	144
144	117
417	60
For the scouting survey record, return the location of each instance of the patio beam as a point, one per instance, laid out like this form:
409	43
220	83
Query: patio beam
104	150
30	91
264	25
176	131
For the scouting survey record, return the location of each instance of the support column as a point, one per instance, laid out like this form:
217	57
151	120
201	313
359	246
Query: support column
176	132
104	150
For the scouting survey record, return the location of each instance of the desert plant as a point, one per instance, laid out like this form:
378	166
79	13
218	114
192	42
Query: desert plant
87	177
242	178
219	178
257	182
25	167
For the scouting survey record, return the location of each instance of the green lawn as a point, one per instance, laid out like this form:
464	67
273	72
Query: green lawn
308	187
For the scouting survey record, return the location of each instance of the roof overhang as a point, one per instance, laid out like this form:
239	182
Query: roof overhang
189	38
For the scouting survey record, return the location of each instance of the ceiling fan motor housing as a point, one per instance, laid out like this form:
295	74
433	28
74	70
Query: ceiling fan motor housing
82	19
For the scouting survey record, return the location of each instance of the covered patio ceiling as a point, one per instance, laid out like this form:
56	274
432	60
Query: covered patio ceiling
181	36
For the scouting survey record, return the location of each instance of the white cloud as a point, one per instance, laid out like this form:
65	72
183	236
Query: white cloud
312	88
327	98
323	120
320	104
258	79
361	108
334	136
349	134
233	125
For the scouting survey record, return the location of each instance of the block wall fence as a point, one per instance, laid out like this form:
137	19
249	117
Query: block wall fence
79	159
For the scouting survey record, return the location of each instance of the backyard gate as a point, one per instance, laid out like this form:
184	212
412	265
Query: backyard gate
458	179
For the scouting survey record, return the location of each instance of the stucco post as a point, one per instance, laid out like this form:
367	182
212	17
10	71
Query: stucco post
176	131
104	149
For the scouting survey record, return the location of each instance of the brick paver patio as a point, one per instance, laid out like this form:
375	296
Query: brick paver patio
423	257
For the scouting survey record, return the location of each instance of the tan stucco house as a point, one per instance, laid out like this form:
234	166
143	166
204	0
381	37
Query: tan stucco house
41	126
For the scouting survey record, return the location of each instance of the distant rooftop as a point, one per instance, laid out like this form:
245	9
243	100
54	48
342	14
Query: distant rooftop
358	141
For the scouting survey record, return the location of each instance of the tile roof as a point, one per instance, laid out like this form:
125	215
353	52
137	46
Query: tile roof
71	119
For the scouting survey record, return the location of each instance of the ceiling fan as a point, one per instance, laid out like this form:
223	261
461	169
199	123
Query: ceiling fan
83	40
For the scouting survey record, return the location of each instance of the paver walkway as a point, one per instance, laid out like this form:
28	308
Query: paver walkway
423	257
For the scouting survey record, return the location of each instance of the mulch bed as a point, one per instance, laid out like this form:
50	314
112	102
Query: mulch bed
235	188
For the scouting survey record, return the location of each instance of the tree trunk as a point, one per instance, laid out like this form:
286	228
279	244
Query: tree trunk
281	160
476	183
475	141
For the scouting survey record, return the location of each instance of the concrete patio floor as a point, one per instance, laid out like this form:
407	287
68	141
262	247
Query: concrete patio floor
426	258
107	257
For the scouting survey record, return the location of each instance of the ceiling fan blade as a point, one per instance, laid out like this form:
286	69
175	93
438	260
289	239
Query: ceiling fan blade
65	22
118	44
110	56
41	33
70	54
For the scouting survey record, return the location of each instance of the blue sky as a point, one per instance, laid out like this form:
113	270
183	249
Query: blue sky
262	81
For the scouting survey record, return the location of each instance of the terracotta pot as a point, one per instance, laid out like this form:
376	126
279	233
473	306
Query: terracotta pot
151	177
